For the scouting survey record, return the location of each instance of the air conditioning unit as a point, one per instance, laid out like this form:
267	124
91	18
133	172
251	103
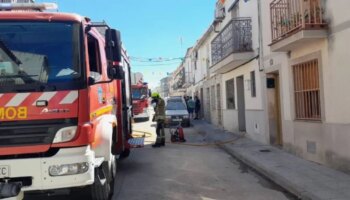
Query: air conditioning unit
220	12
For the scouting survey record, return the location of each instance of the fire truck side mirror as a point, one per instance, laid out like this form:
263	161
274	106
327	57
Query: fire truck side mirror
115	72
113	45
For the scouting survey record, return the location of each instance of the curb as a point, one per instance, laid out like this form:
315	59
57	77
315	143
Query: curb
271	175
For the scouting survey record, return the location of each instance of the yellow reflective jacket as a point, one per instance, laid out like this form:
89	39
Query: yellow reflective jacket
160	110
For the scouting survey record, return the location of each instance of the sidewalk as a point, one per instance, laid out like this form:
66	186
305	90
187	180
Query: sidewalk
305	179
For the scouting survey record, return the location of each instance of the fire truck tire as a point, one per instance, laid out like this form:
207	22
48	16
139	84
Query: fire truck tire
102	188
114	168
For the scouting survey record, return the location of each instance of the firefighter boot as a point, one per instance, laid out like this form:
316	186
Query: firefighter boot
158	141
162	136
156	145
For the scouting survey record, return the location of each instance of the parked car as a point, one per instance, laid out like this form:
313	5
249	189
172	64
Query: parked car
176	112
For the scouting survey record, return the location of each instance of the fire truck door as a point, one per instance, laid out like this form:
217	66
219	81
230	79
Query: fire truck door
126	101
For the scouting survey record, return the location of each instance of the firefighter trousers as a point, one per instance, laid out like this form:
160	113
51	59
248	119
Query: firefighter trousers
160	132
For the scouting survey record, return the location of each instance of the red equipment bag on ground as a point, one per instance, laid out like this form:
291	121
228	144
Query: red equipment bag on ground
177	134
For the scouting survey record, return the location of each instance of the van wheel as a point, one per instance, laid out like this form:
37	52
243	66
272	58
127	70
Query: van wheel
102	189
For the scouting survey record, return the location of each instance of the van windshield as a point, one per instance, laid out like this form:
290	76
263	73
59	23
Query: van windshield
39	55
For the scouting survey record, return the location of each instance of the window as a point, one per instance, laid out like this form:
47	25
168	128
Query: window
40	53
307	91
212	99
252	84
230	94
94	55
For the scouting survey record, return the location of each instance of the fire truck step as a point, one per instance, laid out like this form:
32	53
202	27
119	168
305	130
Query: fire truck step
137	142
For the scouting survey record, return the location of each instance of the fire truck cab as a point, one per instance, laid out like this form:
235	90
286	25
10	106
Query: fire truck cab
140	97
65	101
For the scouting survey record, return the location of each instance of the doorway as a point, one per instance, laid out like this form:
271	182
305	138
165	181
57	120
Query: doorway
218	100
201	113
207	105
241	104
274	109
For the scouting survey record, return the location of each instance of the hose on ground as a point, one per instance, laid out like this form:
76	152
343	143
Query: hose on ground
145	134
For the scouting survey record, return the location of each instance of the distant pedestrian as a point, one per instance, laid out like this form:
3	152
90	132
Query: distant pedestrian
197	107
191	107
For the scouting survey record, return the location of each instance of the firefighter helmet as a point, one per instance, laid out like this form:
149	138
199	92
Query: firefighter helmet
155	95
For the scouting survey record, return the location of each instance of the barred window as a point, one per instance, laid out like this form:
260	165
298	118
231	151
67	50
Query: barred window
307	90
230	94
252	84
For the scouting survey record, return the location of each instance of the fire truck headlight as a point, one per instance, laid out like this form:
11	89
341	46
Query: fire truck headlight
68	169
65	134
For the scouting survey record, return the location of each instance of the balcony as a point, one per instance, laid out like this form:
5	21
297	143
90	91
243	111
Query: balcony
295	22
232	46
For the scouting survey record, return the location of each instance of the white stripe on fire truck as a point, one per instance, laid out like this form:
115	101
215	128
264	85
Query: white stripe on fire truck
17	100
46	96
70	98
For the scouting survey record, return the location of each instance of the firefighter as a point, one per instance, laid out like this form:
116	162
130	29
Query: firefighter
159	117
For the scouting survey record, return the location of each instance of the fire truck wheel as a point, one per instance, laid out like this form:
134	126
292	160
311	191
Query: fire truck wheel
102	187
114	168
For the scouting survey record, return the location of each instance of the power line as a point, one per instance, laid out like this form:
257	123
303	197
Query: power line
153	65
155	60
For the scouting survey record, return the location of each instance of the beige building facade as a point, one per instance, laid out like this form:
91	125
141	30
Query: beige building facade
305	64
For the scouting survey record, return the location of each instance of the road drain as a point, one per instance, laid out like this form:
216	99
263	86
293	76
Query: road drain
265	150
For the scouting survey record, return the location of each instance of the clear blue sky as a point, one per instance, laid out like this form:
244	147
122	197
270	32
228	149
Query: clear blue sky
150	28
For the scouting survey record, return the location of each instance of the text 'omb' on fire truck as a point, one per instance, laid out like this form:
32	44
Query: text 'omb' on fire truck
65	101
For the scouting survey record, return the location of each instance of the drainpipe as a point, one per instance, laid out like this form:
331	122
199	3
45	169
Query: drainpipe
261	43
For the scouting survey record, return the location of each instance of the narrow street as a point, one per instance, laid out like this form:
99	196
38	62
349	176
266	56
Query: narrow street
189	172
179	172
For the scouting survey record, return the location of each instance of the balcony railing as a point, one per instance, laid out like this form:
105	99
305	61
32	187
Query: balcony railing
290	16
236	37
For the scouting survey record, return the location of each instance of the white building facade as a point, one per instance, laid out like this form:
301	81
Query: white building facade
236	85
276	70
306	65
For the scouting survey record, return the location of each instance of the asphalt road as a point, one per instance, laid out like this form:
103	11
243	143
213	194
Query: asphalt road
178	172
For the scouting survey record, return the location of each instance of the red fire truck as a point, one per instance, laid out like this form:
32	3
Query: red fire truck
65	101
140	95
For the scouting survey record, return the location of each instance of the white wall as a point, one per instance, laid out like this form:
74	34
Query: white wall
276	62
189	73
203	51
136	77
337	70
252	103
